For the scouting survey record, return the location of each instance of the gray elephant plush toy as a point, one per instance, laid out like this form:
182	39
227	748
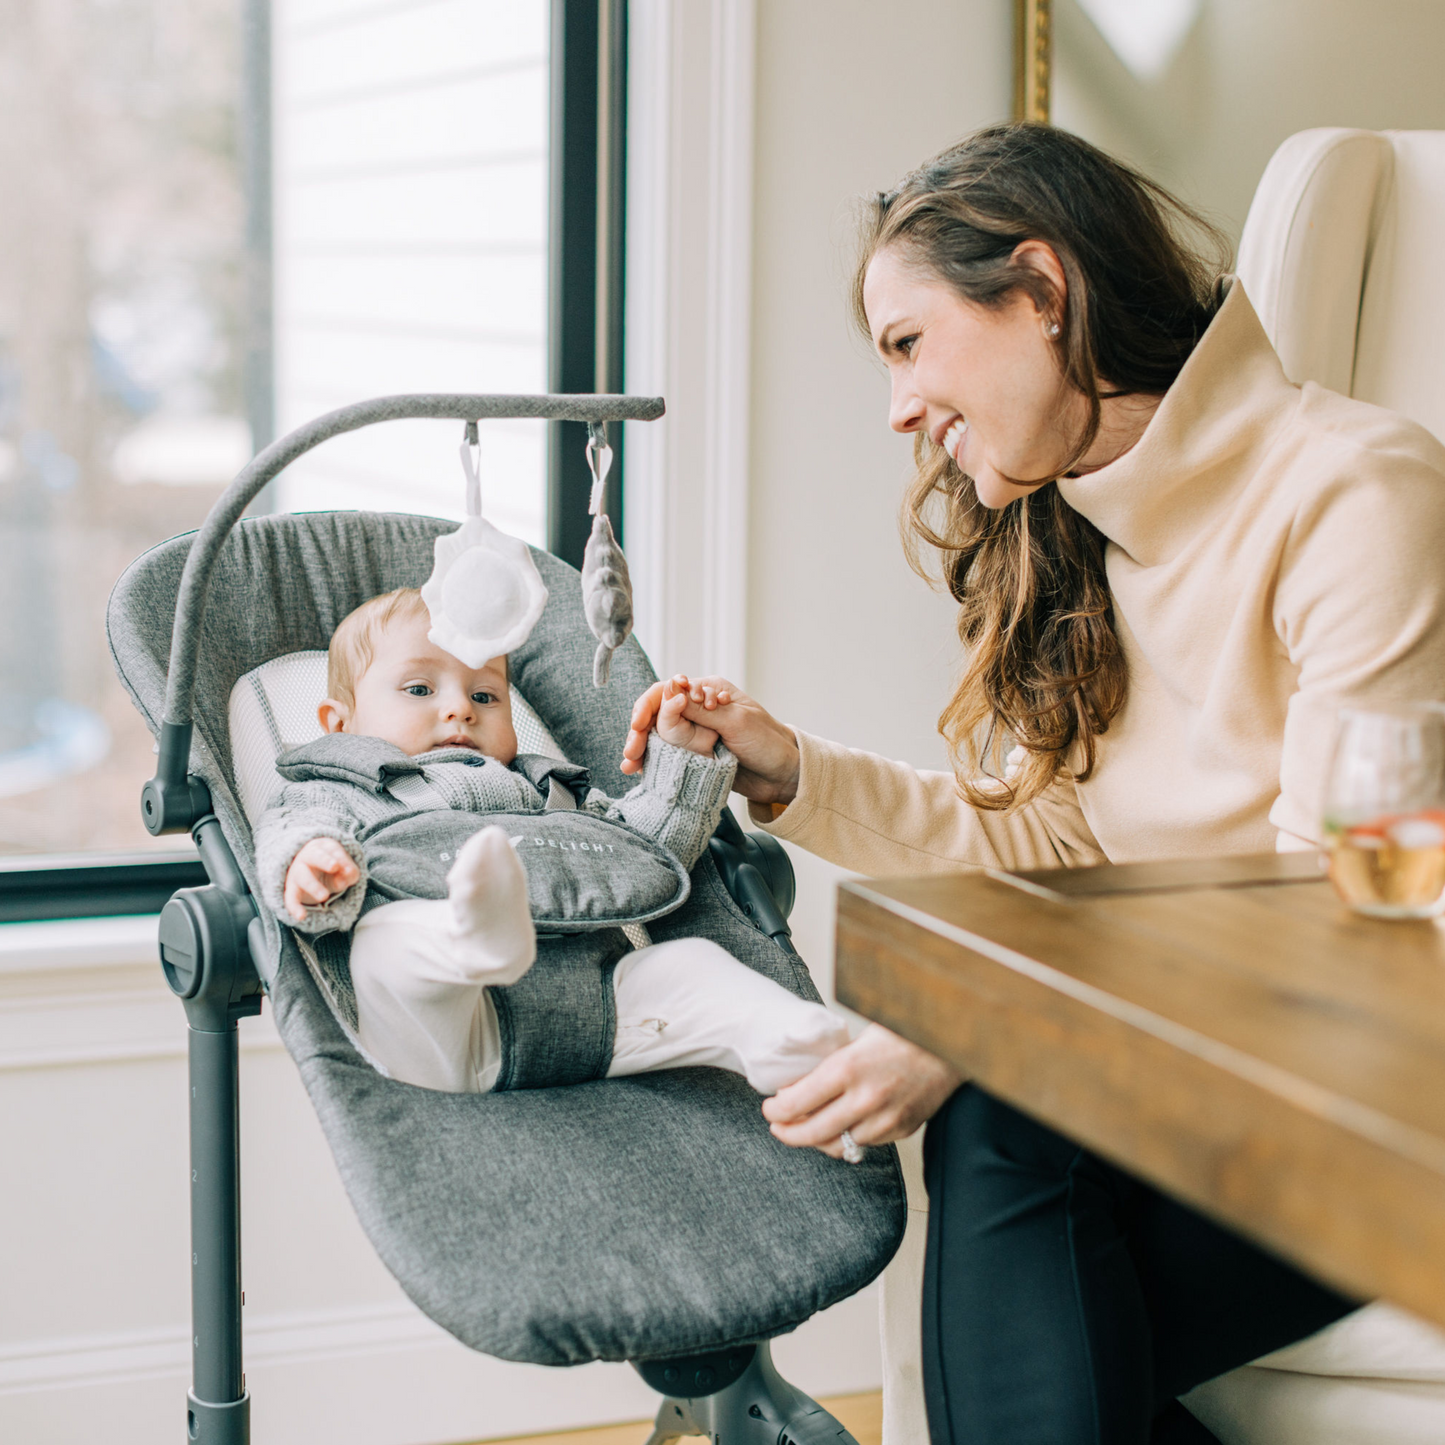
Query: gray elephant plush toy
606	596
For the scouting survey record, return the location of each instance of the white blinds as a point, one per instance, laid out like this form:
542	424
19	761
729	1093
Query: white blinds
411	212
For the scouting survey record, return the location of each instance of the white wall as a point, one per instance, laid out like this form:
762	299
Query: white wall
843	639
1248	75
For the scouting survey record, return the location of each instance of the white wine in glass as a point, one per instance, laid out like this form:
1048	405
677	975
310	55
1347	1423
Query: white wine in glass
1384	816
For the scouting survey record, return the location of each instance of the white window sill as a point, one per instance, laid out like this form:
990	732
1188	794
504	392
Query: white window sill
70	943
80	991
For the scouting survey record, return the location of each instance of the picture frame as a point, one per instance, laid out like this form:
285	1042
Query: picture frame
1033	59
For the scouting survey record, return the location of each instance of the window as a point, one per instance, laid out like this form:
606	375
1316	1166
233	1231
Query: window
121	274
181	270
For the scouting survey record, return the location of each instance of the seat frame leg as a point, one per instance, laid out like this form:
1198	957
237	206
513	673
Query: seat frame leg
674	1421
206	957
218	1407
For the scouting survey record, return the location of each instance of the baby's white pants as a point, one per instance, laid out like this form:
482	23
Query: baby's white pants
427	1017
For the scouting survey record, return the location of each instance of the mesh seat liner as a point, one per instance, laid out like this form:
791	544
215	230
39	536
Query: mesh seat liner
273	709
620	1219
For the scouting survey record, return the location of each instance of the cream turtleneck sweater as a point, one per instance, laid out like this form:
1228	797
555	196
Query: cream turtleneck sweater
1274	553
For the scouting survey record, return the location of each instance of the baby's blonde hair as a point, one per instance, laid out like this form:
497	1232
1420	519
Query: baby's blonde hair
353	644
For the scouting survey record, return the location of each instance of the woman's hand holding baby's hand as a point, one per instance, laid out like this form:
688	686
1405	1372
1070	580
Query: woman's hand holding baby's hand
319	871
673	724
766	750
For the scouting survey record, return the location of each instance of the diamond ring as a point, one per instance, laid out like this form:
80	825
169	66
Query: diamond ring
852	1149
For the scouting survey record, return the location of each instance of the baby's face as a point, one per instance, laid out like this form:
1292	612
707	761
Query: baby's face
420	698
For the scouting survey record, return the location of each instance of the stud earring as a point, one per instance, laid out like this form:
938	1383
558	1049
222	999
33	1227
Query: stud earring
1053	330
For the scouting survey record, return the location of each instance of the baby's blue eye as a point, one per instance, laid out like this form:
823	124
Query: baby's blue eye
417	689
484	698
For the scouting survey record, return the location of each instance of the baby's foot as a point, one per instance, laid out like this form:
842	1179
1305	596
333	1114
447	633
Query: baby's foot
491	920
793	1042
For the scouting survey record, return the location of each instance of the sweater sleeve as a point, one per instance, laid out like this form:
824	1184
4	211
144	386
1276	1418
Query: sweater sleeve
679	799
880	817
292	821
1360	609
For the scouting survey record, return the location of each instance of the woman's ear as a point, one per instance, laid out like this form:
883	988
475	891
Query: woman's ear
1041	258
333	716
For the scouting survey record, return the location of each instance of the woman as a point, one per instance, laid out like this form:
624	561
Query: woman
1172	567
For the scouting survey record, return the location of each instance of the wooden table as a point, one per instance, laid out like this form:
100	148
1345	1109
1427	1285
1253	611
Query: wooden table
1225	1029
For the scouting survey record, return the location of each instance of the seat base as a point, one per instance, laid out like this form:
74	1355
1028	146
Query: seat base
759	1408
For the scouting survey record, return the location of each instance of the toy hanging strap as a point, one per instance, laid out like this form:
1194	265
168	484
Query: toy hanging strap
484	594
599	462
471	465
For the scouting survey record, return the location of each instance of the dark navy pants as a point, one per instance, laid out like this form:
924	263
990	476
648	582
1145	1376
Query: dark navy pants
1067	1303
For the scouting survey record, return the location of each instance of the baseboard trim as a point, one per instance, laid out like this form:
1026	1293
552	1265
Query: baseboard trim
373	1375
379	1374
78	1362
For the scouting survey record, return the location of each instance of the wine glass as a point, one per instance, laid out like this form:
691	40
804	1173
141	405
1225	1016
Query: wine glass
1384	817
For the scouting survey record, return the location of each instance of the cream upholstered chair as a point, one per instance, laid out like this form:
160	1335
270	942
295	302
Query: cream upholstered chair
1343	256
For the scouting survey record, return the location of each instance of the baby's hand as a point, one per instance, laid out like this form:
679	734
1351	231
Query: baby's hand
675	727
321	870
766	750
665	706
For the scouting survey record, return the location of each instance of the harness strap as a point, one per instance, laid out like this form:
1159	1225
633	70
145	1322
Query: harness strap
413	790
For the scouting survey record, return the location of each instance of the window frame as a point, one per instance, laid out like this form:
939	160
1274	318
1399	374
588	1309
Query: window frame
41	887
587	251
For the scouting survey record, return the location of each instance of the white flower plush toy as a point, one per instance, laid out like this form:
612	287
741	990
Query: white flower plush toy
485	593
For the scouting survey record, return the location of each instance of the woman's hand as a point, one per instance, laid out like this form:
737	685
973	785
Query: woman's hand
766	750
320	871
880	1088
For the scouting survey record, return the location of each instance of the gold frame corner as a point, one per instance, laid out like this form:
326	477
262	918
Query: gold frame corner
1033	59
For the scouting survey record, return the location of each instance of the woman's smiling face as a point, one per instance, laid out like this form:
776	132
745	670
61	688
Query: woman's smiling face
982	382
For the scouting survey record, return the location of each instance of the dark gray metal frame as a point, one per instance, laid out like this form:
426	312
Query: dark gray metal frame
211	943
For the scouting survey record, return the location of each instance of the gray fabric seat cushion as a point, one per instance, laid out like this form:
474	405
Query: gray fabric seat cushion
621	1219
618	1219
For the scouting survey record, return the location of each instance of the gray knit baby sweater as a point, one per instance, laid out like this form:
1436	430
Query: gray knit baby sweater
356	789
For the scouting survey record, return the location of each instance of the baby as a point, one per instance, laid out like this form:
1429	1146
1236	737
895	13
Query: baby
419	749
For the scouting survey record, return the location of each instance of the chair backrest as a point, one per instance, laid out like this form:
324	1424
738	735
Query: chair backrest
281	586
1340	258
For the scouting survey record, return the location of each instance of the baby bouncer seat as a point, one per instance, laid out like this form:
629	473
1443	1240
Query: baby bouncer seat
651	1218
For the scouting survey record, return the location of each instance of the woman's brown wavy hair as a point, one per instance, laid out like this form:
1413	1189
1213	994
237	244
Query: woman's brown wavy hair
1044	669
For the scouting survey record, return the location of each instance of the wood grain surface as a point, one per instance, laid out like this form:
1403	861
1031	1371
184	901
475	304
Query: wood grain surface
1256	1050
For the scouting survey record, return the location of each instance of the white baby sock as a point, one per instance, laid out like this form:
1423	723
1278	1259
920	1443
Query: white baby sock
491	920
799	1039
